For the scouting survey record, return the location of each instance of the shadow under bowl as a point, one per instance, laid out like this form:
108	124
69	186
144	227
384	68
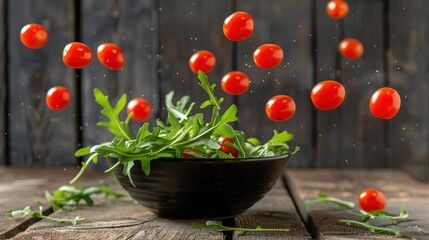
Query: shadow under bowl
202	188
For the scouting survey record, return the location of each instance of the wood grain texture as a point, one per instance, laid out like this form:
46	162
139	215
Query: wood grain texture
116	220
398	187
276	200
20	187
3	86
362	142
350	136
39	136
188	26
107	219
132	25
285	23
409	71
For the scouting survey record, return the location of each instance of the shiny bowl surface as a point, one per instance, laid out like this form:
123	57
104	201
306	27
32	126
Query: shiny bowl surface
202	188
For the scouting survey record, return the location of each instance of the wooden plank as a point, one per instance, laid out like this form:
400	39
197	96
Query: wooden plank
398	187
39	136
20	187
132	25
362	145
107	219
408	71
327	123
350	135
3	86
291	31
276	200
186	27
117	220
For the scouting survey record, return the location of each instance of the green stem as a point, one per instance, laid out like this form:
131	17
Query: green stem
372	228
84	166
340	202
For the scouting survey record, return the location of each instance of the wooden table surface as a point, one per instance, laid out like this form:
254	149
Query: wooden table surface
122	219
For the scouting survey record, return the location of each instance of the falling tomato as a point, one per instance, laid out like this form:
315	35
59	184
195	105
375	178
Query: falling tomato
385	103
77	55
111	56
235	83
337	9
351	48
34	35
57	98
268	56
140	109
328	95
280	108
202	60
238	26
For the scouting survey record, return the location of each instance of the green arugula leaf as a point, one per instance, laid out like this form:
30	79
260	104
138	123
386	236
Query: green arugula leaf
374	229
324	198
381	215
39	214
67	197
179	110
82	152
279	138
115	126
214	226
213	100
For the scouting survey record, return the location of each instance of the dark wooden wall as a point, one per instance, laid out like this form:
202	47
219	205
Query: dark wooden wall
159	36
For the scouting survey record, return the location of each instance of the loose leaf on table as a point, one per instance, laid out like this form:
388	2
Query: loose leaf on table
325	198
378	216
39	214
67	197
214	226
374	229
382	215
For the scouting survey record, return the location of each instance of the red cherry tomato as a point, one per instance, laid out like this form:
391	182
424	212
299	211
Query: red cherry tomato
351	48
57	98
140	108
111	56
34	35
328	95
371	199
280	108
235	83
225	148
385	103
337	9
202	60
268	56
238	26
77	55
189	150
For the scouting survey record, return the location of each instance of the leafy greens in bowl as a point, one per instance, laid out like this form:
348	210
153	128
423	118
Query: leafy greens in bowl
182	136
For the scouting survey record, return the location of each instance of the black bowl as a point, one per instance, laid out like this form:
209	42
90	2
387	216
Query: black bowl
202	188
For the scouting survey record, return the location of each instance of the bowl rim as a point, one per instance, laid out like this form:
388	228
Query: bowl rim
224	160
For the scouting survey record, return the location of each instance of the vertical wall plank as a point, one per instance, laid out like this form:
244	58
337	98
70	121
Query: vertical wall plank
328	131
3	86
287	24
132	25
363	134
409	74
187	26
39	136
350	136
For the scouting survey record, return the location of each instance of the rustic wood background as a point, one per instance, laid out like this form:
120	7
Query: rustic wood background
159	36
